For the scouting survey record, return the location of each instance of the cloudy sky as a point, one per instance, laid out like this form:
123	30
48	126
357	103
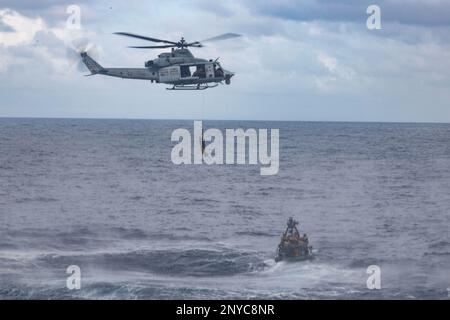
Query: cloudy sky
298	60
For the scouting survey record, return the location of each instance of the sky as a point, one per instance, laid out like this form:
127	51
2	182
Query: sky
307	60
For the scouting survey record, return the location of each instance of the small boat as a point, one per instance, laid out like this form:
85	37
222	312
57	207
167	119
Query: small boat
293	247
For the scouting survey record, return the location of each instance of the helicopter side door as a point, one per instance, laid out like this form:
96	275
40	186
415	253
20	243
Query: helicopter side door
169	74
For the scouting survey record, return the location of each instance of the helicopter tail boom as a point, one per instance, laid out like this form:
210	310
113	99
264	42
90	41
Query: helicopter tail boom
91	64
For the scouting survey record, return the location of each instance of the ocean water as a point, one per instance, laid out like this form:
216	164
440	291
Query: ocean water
104	195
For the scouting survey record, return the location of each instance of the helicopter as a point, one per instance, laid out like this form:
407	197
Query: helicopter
178	68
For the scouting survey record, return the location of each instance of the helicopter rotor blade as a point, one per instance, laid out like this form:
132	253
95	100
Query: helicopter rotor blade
224	36
180	44
152	47
195	44
132	35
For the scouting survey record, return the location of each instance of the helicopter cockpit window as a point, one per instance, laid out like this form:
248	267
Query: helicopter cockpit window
218	71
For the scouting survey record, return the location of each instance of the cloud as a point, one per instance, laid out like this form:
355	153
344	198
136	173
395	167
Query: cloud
328	62
30	44
414	12
52	11
218	8
37	6
5	27
21	29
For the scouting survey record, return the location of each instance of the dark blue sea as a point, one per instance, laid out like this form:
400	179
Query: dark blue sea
105	196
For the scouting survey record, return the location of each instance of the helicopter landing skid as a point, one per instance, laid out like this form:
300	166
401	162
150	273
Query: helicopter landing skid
192	87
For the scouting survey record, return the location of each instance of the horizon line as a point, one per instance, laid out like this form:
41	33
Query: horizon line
212	119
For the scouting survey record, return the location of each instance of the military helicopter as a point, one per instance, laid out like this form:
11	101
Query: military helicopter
178	68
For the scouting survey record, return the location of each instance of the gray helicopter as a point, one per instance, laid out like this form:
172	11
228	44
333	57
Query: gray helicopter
178	68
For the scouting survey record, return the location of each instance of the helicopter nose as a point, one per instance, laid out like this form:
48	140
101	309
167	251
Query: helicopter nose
229	74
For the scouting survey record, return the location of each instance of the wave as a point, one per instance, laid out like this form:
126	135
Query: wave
36	199
440	244
192	262
255	234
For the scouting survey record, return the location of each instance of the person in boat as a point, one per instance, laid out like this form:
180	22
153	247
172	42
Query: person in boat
291	229
292	244
305	238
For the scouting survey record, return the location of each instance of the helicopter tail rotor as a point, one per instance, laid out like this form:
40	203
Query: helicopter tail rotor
79	48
